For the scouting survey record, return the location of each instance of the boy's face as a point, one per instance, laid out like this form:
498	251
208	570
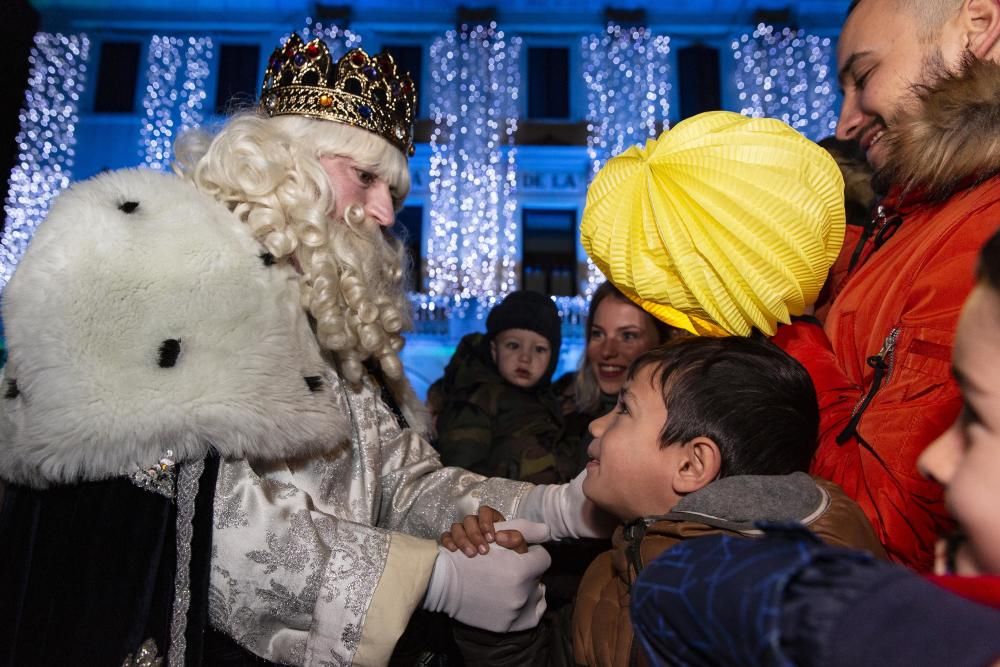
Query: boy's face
966	458
630	474
521	356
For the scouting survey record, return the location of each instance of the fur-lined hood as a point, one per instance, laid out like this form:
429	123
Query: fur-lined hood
951	139
144	318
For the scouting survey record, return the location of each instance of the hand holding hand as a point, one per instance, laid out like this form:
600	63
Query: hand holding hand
475	532
499	591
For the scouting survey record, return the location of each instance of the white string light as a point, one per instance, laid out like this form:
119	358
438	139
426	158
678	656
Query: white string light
197	53
338	40
472	249
627	72
173	103
790	75
46	140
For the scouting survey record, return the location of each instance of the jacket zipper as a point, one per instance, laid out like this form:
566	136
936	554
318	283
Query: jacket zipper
866	233
881	228
883	363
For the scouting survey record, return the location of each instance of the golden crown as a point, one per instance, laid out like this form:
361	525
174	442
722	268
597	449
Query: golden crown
360	90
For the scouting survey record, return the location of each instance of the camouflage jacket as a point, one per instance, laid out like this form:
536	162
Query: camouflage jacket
492	427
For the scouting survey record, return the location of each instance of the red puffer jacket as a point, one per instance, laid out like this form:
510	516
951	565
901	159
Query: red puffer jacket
881	362
882	367
984	589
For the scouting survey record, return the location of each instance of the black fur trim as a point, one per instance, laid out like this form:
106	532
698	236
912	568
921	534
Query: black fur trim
12	390
128	206
314	382
267	258
170	349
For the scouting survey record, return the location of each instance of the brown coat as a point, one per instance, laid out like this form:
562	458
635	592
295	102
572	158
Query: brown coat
602	630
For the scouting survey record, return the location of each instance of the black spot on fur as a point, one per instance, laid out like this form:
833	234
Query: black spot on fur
170	349
314	382
267	258
12	390
128	206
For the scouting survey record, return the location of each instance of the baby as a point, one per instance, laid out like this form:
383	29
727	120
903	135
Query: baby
499	414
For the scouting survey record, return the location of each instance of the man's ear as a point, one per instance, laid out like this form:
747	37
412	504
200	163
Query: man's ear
981	23
699	466
493	350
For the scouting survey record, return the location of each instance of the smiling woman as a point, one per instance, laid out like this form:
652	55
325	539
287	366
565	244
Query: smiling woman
618	331
965	459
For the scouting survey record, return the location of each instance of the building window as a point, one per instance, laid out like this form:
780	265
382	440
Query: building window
237	83
409	58
548	83
700	89
117	77
549	252
410	227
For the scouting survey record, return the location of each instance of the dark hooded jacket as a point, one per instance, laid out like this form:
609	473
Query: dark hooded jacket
788	599
492	427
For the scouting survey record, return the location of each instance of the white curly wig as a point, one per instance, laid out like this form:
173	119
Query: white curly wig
267	171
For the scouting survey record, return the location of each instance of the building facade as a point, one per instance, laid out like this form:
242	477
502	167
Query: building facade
520	103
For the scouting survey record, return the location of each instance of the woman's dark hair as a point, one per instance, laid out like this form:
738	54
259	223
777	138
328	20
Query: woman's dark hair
988	271
859	192
586	392
752	399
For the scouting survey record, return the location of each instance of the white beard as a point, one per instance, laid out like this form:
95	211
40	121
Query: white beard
354	287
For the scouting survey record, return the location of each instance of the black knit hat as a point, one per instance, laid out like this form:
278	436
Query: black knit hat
532	311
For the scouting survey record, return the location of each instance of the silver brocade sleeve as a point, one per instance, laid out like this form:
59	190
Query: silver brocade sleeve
416	495
302	546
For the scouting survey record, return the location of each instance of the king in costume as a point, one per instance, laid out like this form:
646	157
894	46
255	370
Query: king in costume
210	452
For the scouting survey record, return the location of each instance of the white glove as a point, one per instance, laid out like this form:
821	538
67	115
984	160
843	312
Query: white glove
498	591
566	511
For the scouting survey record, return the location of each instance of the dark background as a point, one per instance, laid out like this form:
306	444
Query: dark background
18	24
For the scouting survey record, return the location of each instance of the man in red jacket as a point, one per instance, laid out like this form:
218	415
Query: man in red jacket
921	85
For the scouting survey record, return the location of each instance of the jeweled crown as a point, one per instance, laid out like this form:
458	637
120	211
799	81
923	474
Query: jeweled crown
360	90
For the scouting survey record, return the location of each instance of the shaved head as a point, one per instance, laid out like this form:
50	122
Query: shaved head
931	14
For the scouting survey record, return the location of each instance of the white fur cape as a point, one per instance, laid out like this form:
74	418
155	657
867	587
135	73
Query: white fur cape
143	318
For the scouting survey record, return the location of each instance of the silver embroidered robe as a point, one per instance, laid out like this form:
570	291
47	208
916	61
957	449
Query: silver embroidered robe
322	560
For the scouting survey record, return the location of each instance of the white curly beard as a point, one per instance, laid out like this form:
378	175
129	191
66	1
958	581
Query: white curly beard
353	286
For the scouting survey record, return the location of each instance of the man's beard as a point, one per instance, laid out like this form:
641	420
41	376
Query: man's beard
354	287
932	70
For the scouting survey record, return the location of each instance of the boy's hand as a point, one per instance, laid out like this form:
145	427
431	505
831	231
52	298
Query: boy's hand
515	535
474	533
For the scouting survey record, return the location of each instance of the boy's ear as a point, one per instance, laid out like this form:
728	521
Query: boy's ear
700	465
493	350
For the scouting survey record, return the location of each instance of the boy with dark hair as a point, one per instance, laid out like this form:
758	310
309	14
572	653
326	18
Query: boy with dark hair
709	435
791	600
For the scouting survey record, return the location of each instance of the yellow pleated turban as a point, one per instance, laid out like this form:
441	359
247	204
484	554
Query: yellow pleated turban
723	224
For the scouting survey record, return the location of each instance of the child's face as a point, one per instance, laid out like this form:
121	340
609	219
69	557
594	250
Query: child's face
522	356
630	474
966	458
